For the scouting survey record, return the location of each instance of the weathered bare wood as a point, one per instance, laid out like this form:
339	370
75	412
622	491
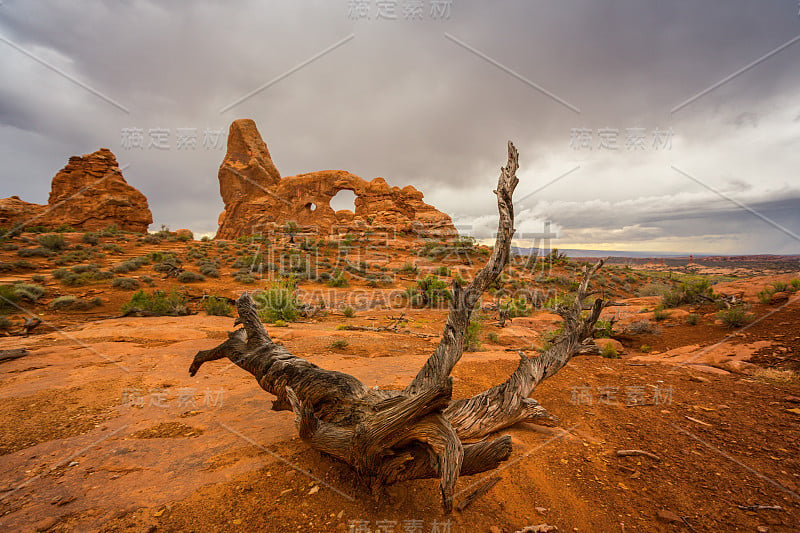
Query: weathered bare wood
392	436
10	355
630	453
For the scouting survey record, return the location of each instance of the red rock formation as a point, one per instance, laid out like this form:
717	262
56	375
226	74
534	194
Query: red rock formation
258	200
88	194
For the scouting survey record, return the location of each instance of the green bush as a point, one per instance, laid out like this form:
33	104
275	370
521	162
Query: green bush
765	295
692	319
349	312
280	324
689	292
29	291
38	278
278	302
39	251
80	269
337	280
52	241
780	286
190	277
247	279
660	314
130	284
442	271
735	317
408	268
429	291
73	303
217	306
210	270
795	284
608	351
472	336
158	303
8	297
340	344
515	307
90	238
603	329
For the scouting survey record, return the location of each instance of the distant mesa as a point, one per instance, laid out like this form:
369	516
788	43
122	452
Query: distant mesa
88	194
258	200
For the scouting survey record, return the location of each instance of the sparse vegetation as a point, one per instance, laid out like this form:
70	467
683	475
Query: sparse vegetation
217	306
609	351
692	319
278	302
190	277
735	317
429	291
349	312
340	344
157	302
129	284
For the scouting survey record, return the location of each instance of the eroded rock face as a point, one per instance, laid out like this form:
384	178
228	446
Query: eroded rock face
88	194
257	200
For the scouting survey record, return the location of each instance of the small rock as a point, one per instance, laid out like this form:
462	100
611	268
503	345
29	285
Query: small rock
73	463
314	490
495	529
541	510
668	516
762	529
791	399
541	528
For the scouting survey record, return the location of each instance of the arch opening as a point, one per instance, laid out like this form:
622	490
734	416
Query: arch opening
344	199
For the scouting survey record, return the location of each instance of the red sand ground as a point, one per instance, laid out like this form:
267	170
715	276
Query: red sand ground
101	428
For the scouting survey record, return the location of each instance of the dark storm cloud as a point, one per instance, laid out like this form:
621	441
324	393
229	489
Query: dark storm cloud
403	101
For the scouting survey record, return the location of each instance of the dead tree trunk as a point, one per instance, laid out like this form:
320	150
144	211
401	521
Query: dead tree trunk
420	432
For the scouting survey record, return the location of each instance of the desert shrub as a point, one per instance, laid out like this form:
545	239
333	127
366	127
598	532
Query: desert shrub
38	278
349	312
764	295
337	280
129	284
63	302
780	286
52	241
80	269
210	270
190	277
10	246
641	327
645	348
563	299
5	323
151	238
29	291
660	314
185	236
472	336
689	292
245	278
493	337
735	317
653	289
39	251
340	344
692	319
608	351
90	237
442	271
217	306
73	303
8	297
158	303
408	268
205	238
278	302
429	291
794	283
515	307
603	328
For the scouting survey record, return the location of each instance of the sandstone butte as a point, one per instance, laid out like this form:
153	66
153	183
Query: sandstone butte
258	200
89	194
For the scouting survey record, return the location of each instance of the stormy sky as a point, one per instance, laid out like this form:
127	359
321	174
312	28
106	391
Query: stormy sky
641	124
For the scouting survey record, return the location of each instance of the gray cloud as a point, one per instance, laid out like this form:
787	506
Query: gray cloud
402	101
